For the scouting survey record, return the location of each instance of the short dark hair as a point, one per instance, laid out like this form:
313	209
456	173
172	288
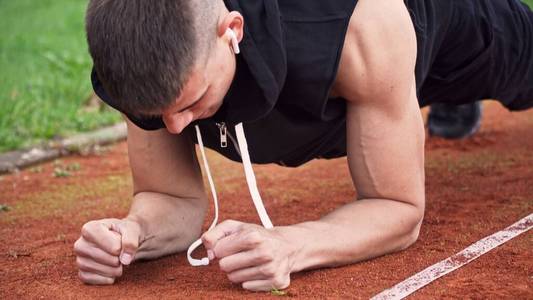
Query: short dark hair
144	50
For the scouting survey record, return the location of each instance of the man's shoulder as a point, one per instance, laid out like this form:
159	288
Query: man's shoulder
379	43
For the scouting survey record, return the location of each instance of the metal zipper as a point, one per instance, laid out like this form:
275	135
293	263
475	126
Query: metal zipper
223	134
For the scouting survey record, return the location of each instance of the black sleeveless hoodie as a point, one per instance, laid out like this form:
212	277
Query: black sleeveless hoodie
467	51
289	59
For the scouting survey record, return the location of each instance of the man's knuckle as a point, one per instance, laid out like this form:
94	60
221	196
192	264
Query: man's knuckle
281	282
77	246
117	272
115	249
227	222
230	221
264	255
81	276
287	283
207	240
79	262
267	271
83	265
233	277
253	238
115	261
114	246
86	230
237	225
130	245
85	277
224	266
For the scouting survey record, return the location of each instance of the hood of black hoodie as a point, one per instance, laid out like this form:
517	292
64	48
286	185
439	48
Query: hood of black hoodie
261	66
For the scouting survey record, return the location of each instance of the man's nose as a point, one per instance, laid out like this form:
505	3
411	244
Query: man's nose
177	122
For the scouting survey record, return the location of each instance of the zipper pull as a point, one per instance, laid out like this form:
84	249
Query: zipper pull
223	134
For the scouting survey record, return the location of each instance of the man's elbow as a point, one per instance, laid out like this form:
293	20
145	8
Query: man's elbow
413	230
412	237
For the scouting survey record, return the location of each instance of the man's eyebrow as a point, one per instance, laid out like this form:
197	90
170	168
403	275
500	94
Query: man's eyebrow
195	101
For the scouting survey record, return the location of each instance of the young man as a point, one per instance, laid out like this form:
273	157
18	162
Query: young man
315	79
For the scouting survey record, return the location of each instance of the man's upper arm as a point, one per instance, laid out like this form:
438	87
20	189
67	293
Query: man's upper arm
164	163
385	127
382	40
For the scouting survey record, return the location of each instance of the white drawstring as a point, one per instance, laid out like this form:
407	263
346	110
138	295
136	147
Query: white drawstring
204	261
250	177
250	180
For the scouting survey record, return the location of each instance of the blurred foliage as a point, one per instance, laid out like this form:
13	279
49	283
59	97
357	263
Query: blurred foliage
45	72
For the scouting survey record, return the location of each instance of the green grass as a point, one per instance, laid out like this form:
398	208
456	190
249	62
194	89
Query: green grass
44	72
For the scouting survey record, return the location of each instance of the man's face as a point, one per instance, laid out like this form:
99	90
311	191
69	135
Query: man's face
204	92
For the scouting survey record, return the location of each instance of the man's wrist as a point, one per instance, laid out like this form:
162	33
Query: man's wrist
299	237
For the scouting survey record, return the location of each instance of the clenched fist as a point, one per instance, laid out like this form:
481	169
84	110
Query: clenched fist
104	247
258	258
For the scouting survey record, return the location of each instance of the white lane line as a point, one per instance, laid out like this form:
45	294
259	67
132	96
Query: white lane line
419	280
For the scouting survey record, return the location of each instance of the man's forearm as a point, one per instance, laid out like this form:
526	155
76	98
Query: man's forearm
168	224
357	231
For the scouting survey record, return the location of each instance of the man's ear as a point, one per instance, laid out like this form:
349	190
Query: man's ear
233	21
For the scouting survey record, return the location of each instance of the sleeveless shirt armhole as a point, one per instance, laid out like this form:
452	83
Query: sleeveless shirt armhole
337	104
148	123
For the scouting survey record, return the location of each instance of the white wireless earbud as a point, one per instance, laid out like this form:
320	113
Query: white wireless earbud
234	41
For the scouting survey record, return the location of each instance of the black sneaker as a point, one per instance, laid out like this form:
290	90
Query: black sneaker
454	121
